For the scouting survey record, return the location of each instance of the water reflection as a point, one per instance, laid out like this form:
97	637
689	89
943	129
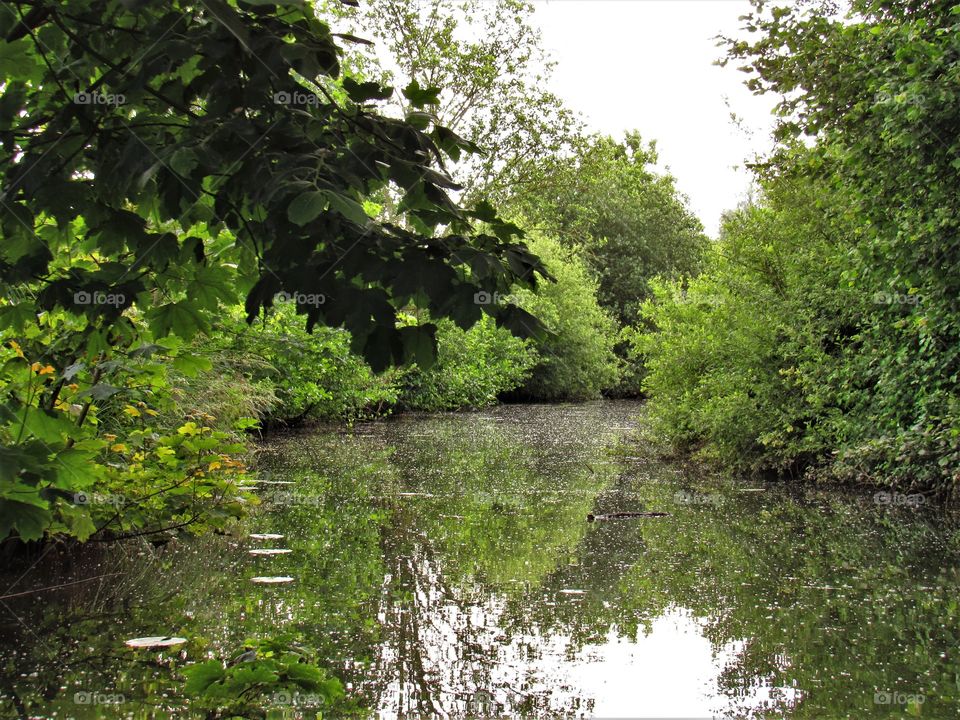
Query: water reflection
443	567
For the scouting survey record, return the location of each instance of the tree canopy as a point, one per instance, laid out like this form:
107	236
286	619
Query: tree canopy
172	155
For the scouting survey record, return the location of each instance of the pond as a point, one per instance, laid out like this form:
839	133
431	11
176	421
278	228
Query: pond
443	566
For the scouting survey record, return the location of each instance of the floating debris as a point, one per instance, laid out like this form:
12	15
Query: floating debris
270	551
751	489
573	592
274	580
617	515
156	641
266	536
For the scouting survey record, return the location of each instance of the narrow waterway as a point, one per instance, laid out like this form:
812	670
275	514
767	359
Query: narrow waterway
443	566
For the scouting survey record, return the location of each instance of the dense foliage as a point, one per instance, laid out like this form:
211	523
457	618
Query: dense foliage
738	353
850	288
188	156
577	360
474	368
626	219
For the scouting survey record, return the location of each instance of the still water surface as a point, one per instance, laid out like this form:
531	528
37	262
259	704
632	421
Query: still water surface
443	566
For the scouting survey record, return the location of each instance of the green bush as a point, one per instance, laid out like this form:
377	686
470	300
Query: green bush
296	375
474	367
578	361
734	357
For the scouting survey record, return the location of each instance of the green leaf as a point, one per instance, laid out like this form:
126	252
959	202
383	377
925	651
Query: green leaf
210	285
419	345
17	317
75	469
18	60
307	206
179	318
349	208
520	323
306	676
191	365
77	519
362	92
201	676
29	521
48	427
184	161
420	97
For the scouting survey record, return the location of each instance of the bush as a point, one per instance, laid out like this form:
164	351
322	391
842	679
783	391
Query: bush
735	356
578	361
474	367
301	376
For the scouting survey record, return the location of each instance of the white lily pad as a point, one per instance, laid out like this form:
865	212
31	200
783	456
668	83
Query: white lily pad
156	641
266	536
270	551
275	580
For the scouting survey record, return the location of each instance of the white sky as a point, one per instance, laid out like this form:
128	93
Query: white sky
647	65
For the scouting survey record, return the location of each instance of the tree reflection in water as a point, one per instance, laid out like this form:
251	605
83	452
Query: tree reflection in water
444	568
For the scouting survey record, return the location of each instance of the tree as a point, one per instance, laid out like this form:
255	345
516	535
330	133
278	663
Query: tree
628	221
873	91
162	160
486	66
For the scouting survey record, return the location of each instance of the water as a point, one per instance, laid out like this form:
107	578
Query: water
443	566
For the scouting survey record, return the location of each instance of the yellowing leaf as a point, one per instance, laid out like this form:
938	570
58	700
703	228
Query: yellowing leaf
189	428
131	411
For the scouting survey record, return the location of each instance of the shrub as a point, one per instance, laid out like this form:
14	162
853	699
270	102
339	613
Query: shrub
474	367
735	357
578	361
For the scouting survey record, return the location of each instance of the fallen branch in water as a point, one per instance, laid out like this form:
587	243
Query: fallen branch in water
613	516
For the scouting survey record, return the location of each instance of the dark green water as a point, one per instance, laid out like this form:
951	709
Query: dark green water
443	567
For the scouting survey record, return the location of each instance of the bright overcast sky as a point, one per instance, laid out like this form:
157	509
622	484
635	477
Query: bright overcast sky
648	65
